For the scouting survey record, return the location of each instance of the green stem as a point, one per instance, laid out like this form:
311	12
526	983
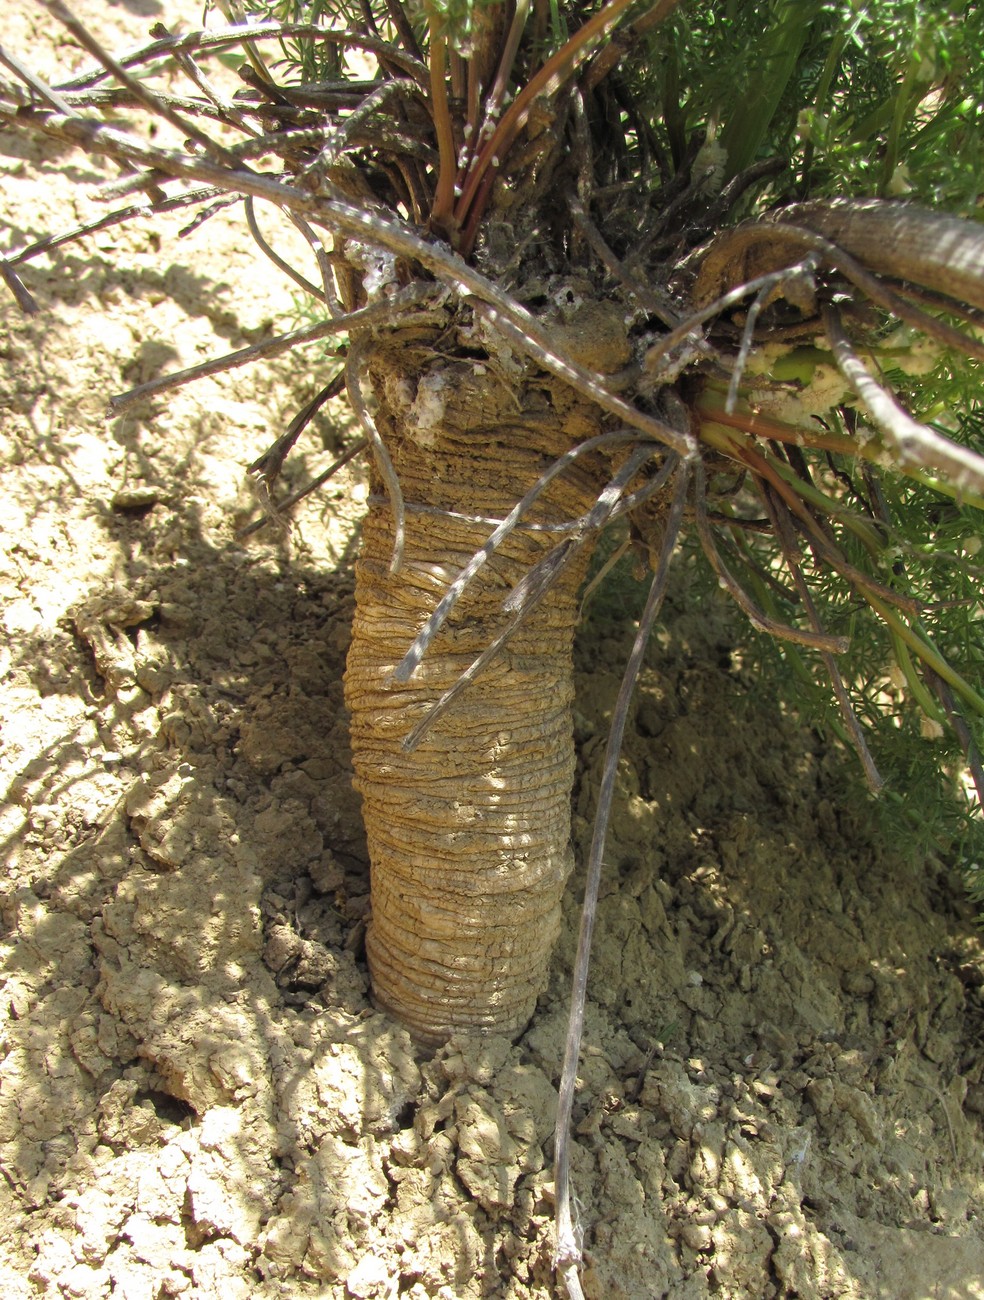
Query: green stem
711	405
927	652
752	114
820	99
673	114
922	696
733	444
900	112
829	69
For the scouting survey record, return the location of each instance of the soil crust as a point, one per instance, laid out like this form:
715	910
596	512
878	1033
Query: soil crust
781	1092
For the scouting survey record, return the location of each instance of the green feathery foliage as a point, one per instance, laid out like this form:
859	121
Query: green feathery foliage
864	97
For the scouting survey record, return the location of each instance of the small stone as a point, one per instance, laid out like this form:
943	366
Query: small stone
974	1102
139	496
326	874
697	1236
282	945
370	1277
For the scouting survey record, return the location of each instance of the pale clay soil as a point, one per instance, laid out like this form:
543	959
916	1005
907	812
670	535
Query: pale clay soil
781	1092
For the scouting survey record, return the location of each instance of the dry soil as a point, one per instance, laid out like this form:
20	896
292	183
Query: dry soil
781	1092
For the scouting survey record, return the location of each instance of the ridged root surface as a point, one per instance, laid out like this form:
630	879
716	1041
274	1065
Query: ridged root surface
468	833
